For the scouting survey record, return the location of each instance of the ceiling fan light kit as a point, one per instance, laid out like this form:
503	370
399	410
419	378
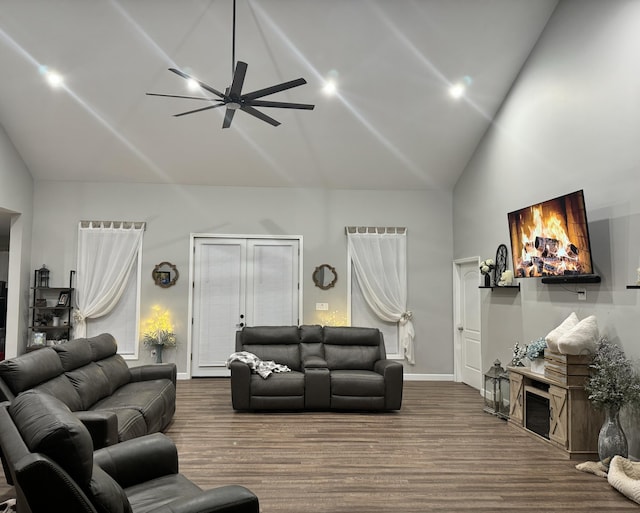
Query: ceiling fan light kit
233	99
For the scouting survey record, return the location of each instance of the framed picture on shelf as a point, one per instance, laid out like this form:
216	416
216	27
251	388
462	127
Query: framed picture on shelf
63	299
39	339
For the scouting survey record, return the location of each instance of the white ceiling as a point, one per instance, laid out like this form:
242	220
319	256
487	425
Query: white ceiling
393	125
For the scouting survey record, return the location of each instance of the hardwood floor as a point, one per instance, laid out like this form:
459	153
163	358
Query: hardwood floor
440	453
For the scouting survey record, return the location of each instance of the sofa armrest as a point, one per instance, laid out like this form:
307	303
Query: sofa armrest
5	392
154	371
139	459
230	498
240	385
314	362
392	371
102	425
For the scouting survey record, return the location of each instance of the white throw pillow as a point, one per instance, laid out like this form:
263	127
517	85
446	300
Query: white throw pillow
581	339
555	334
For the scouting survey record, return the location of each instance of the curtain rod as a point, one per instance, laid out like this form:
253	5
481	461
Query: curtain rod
375	229
114	224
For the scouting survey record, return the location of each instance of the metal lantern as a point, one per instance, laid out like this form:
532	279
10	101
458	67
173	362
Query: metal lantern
42	277
503	411
492	391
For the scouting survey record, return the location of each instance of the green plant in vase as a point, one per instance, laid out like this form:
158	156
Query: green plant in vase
613	384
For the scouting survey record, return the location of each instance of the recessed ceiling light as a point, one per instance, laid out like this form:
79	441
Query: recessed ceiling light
53	78
457	90
330	87
192	84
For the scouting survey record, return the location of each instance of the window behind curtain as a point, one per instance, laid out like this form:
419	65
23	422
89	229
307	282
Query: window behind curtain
363	315
124	320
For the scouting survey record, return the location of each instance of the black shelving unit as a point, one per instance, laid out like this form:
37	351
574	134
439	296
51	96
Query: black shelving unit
46	303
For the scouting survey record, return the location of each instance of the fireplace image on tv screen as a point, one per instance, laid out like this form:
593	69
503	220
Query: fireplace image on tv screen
551	238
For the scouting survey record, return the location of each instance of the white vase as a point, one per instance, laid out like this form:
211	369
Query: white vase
537	365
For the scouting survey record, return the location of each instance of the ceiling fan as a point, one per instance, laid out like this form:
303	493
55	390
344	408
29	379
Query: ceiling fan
232	98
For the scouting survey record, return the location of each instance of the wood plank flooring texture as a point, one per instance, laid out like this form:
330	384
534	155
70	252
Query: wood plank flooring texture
439	453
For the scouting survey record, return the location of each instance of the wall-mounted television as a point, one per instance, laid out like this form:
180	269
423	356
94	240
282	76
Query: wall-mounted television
551	239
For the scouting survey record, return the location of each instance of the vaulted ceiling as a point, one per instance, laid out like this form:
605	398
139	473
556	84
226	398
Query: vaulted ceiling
391	125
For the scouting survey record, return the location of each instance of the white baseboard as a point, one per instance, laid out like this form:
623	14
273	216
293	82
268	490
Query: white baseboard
183	375
428	377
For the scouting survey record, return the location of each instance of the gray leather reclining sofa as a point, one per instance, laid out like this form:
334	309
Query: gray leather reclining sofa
114	401
332	368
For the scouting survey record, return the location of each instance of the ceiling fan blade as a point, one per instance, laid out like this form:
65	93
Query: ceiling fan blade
238	80
228	118
282	105
201	84
187	97
254	112
274	89
198	110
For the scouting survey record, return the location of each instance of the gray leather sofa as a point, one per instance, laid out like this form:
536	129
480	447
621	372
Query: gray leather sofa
115	402
50	459
332	368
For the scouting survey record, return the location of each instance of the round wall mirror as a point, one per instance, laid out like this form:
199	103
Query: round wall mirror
165	274
325	276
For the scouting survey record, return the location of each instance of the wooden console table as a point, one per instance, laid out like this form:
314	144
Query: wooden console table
571	423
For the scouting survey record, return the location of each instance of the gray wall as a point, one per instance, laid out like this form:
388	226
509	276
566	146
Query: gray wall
16	200
172	213
571	121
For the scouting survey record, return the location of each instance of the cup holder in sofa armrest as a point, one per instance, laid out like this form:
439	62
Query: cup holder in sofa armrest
314	362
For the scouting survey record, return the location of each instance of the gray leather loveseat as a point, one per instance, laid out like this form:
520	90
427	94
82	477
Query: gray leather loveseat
332	368
114	401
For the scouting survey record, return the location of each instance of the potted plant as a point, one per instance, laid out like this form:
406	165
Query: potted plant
158	333
535	354
613	384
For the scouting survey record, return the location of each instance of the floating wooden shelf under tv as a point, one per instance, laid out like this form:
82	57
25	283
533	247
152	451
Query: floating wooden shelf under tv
572	278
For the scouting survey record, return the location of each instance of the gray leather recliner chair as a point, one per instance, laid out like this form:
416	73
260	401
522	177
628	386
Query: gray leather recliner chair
48	456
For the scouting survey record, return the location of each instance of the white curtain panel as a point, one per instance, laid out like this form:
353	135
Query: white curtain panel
380	261
106	254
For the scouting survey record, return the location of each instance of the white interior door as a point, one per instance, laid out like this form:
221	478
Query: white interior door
468	325
239	282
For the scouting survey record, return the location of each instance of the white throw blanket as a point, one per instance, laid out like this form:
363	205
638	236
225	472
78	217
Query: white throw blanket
264	368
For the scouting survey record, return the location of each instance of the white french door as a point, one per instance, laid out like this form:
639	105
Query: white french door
239	282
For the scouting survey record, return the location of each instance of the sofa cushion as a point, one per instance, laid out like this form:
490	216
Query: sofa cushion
270	335
285	354
157	494
351	336
102	346
61	387
278	384
90	382
30	369
357	383
311	333
116	369
131	423
154	400
107	495
351	357
48	427
74	354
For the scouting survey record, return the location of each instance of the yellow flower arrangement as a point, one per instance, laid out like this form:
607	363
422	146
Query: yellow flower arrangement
158	330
